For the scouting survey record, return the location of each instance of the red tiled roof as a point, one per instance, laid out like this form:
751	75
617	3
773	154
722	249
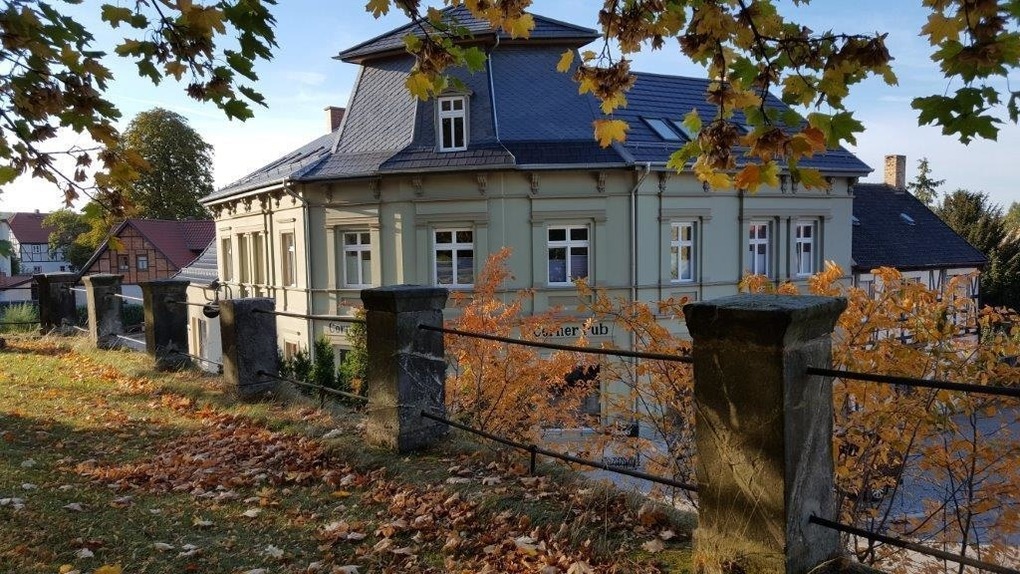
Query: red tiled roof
28	228
180	241
14	281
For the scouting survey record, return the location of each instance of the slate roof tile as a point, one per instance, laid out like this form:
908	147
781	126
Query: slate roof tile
884	238
393	41
204	269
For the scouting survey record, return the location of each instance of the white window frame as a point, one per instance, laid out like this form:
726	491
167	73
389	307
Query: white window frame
288	259
568	245
676	247
244	258
139	258
453	247
358	249
798	248
451	115
756	239
227	256
258	251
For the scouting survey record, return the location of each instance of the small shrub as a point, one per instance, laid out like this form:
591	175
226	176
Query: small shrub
20	313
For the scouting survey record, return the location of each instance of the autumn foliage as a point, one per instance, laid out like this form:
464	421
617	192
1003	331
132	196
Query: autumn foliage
933	465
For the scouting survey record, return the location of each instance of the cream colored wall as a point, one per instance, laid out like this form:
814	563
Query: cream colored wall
514	209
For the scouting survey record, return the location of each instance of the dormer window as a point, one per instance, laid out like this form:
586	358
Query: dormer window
452	123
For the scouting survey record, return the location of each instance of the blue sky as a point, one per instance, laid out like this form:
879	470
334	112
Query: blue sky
303	79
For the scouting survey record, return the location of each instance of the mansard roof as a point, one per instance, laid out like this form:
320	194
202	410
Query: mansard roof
894	229
392	42
522	114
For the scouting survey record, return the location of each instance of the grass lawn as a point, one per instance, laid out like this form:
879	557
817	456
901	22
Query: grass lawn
107	467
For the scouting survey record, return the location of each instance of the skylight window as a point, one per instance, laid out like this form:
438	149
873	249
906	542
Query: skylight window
662	128
907	219
680	127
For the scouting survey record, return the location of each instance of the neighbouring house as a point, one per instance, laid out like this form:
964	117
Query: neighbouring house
203	287
149	249
892	228
30	254
409	191
30	245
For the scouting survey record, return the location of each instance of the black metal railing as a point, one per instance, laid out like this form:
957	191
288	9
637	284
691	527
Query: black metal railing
560	347
535	450
127	297
196	358
912	546
323	390
335	318
1013	392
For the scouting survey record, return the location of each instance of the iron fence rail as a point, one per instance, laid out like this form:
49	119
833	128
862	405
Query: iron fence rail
336	318
1013	392
537	450
127	297
912	546
197	358
320	388
561	347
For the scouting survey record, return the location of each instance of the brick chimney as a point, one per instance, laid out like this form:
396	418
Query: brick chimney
334	115
896	172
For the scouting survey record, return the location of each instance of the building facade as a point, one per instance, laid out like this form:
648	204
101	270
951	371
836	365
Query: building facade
30	254
406	191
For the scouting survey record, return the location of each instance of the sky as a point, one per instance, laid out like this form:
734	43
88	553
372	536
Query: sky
303	78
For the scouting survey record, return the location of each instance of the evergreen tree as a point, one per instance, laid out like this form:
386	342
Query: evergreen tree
983	224
924	187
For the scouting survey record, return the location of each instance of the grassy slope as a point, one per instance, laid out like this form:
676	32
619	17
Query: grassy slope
172	475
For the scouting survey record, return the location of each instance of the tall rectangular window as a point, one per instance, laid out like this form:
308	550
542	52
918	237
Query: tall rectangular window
568	253
243	259
123	263
227	257
288	259
357	259
454	256
804	256
681	251
758	247
259	247
142	262
452	123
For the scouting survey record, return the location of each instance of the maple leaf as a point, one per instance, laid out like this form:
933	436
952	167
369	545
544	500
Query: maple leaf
566	60
519	27
109	569
609	131
420	85
378	7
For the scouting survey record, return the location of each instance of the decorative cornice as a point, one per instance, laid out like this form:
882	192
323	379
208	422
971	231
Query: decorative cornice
418	185
483	182
600	181
663	180
534	182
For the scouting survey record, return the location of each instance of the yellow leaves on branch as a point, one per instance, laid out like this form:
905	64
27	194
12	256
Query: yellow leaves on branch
609	131
378	7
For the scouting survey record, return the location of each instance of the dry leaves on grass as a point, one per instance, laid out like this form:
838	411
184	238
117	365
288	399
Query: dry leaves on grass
229	453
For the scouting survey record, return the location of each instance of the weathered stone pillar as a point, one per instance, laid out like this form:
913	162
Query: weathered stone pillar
104	309
764	430
248	339
406	365
57	310
166	323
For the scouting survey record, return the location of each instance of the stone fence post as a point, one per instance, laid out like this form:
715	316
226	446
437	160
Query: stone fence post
104	307
248	339
406	365
763	429
57	310
166	322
